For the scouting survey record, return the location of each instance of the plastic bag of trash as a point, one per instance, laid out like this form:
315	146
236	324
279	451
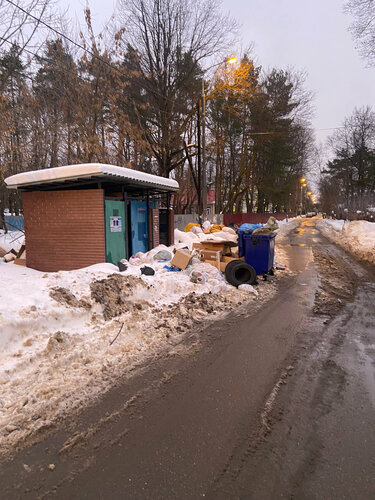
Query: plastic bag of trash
196	230
206	226
248	288
189	226
249	228
182	237
147	271
135	261
122	265
215	228
195	261
172	269
163	255
218	286
268	228
198	277
229	230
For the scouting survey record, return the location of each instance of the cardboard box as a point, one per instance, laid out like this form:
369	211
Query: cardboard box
223	246
181	259
221	265
20	262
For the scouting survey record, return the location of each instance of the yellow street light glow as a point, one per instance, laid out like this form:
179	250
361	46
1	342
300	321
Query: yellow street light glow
303	179
304	185
309	193
232	60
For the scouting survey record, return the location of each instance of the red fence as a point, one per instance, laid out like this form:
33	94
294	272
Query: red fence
254	218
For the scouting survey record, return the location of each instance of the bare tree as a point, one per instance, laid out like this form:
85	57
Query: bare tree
363	27
21	20
352	171
172	38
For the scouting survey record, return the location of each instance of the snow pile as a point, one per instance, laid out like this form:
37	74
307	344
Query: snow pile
282	240
66	336
358	237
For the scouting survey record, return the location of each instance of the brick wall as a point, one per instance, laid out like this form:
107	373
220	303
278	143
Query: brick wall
64	229
254	218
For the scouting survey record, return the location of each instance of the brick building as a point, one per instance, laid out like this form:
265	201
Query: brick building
79	215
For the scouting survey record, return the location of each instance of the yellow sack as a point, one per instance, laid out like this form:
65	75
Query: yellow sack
215	228
189	226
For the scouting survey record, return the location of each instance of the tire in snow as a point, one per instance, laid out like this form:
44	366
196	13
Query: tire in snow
238	273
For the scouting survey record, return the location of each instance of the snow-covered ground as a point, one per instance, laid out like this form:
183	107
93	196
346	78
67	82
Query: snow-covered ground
57	330
357	237
285	227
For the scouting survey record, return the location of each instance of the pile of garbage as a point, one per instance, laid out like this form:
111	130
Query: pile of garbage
269	228
12	247
183	264
207	232
217	232
205	253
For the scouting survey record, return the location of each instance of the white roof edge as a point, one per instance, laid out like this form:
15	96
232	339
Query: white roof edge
87	170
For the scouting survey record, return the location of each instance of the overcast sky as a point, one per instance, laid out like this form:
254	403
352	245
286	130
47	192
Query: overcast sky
303	34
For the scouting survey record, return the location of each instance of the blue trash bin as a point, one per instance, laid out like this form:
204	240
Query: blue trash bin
258	249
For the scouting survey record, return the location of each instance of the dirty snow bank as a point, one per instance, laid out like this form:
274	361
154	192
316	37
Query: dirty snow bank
282	240
358	237
58	350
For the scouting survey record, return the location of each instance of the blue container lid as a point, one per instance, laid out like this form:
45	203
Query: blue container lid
260	236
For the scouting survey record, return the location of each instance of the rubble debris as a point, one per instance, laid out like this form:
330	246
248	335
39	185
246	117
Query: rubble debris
66	297
11	428
248	288
57	342
114	293
9	257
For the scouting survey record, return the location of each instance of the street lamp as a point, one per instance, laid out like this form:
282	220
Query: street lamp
230	60
302	181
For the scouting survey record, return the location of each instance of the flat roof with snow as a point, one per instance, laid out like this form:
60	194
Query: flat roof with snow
89	172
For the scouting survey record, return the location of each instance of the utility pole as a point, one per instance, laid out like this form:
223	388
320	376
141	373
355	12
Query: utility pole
204	173
200	208
231	60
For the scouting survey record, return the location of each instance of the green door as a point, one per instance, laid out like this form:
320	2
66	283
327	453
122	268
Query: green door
115	231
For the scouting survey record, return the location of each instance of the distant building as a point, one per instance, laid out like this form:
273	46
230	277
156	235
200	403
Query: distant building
187	202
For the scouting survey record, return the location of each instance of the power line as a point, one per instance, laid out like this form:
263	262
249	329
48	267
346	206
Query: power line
331	128
39	20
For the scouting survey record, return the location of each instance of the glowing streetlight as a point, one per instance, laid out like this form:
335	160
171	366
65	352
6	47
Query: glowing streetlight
303	184
232	60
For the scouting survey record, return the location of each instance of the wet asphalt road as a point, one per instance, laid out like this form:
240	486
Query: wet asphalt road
279	404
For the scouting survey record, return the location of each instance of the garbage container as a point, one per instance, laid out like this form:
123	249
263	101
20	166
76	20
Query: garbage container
258	249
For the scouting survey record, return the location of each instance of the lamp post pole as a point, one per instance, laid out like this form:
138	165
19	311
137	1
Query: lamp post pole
302	181
231	60
204	173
